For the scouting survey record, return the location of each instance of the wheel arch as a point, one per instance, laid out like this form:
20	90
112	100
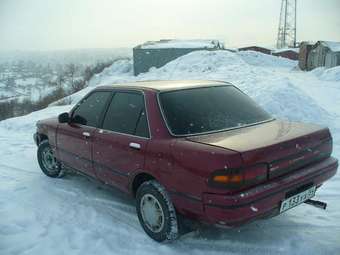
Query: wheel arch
41	137
138	179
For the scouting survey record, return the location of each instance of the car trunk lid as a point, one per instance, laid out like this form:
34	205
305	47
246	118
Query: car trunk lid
283	145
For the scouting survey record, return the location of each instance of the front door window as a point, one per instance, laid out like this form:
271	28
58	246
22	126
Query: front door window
89	111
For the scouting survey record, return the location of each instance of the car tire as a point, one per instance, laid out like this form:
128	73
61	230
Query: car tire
156	212
49	165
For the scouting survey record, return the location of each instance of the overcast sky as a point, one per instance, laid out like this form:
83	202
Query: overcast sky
65	24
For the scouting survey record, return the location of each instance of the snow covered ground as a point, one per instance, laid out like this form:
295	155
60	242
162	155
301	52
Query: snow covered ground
40	215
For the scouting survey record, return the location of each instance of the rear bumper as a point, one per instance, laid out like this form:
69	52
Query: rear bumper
264	200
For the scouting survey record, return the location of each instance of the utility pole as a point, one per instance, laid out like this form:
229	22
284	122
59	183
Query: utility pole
286	36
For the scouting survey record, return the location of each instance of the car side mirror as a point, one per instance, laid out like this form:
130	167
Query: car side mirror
79	120
64	118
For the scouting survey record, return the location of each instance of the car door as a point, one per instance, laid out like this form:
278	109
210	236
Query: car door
74	139
119	146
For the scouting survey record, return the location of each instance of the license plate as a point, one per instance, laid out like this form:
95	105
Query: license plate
297	199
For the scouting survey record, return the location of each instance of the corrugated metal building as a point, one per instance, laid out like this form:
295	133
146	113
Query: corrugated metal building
333	55
324	53
305	48
159	53
257	48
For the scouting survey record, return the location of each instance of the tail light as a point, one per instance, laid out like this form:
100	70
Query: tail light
239	178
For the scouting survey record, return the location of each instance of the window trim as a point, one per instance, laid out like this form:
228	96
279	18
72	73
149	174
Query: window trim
207	132
102	112
114	92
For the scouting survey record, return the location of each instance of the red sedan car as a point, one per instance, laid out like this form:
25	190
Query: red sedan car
201	150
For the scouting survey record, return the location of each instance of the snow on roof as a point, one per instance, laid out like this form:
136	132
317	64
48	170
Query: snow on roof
256	46
334	46
166	44
286	49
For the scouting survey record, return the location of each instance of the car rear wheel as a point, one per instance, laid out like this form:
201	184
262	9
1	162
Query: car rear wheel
156	212
47	162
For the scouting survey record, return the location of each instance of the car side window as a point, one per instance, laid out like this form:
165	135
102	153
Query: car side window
142	128
126	114
89	110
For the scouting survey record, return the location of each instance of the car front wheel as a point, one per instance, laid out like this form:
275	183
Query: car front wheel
47	162
156	212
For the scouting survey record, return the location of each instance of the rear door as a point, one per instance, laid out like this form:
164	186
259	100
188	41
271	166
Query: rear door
74	139
119	146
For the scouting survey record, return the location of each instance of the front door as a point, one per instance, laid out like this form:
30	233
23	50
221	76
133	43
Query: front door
119	147
74	139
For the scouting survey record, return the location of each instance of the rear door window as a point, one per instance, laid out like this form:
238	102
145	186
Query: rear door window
126	114
90	109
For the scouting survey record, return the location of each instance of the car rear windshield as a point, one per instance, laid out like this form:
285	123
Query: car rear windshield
209	109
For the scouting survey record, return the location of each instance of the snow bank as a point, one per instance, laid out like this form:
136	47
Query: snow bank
195	65
286	101
261	59
116	73
327	74
253	72
198	64
249	71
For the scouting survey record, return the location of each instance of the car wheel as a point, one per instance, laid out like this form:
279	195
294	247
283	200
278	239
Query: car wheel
47	162
156	212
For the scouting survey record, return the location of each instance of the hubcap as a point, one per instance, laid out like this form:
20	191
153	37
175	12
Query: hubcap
49	161
152	213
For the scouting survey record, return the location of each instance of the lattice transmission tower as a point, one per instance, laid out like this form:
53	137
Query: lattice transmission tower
286	36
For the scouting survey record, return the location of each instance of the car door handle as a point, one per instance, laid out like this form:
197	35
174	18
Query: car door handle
134	146
86	134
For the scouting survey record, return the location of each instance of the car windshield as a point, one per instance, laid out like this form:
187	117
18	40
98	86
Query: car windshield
209	109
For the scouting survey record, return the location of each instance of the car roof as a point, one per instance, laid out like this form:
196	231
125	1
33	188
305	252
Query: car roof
166	85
